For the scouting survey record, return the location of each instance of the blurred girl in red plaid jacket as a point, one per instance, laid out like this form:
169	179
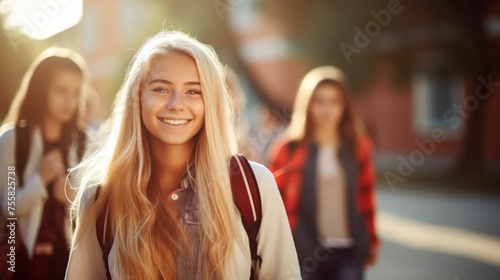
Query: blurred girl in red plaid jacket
325	174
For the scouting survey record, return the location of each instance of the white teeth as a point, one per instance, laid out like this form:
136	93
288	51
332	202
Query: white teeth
174	122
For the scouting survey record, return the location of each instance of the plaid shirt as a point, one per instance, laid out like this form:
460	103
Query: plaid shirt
287	168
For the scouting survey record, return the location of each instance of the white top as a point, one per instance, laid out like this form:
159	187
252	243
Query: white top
30	197
331	197
275	243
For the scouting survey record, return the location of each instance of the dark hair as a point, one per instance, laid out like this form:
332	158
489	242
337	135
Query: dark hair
30	103
34	104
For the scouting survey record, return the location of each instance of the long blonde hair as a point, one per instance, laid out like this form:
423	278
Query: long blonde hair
121	165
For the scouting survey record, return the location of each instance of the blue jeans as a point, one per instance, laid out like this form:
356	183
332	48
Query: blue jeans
334	264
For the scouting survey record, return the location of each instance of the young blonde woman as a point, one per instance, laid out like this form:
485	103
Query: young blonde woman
42	138
325	174
163	177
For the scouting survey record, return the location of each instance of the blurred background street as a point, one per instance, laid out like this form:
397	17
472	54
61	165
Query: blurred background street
431	232
425	77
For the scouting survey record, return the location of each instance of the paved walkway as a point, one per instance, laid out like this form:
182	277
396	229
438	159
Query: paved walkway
427	234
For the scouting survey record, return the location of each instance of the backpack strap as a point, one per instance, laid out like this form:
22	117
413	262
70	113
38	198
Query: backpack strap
22	150
246	196
104	237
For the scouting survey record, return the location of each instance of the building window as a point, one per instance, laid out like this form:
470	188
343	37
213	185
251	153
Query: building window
436	91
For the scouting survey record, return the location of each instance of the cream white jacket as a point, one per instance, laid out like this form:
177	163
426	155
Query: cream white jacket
275	243
31	196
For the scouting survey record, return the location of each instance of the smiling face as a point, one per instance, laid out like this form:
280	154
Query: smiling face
172	108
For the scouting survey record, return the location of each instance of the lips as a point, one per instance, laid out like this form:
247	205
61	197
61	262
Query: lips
176	122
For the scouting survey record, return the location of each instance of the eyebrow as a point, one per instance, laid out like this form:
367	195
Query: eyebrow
163	81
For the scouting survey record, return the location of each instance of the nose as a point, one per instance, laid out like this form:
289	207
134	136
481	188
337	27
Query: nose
69	98
175	102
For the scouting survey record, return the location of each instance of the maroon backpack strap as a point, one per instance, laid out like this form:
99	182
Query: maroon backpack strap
104	237
246	196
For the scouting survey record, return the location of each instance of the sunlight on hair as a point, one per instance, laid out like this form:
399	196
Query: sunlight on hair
121	165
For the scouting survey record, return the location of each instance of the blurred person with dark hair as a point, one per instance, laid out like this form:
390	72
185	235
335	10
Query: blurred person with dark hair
41	138
325	174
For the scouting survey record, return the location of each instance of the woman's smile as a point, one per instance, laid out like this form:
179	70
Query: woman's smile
174	123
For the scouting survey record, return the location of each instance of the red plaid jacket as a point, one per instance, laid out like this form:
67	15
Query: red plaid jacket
287	168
